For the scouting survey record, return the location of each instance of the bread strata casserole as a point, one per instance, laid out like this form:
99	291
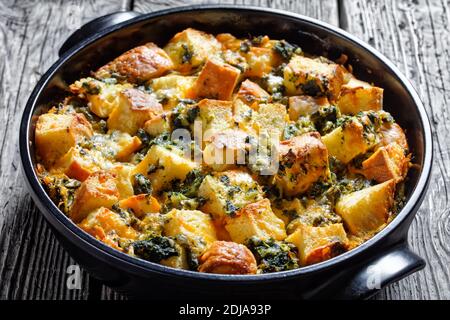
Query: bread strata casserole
224	155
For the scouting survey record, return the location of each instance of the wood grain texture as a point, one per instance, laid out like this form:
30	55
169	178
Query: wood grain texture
415	35
32	263
326	10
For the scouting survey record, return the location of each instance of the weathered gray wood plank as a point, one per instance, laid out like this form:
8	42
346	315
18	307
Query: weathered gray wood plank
326	10
415	34
32	263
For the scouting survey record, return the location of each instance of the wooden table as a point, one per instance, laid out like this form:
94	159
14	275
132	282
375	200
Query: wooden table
415	34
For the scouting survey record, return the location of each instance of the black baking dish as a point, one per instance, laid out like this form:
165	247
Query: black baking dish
385	256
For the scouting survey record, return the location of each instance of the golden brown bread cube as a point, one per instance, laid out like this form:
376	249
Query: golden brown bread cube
228	41
287	210
125	145
227	192
123	178
312	212
193	225
271	119
302	106
171	88
216	81
303	160
116	145
250	92
98	190
99	152
357	96
140	204
236	59
190	48
226	150
76	165
137	65
255	219
260	61
107	226
260	57
56	133
221	232
317	244
364	212
158	124
216	115
348	141
135	108
102	97
313	77
386	163
393	133
162	166
180	261
245	117
225	257
151	223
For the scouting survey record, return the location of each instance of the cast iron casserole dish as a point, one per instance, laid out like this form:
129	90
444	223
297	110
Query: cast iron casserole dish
359	273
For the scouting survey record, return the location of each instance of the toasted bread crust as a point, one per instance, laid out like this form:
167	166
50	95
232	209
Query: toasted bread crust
227	258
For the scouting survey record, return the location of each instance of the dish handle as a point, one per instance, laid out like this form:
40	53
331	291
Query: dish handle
388	267
94	26
365	279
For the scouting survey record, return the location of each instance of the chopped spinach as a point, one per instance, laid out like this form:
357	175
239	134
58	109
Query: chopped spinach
155	249
186	54
325	119
142	185
286	50
272	255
